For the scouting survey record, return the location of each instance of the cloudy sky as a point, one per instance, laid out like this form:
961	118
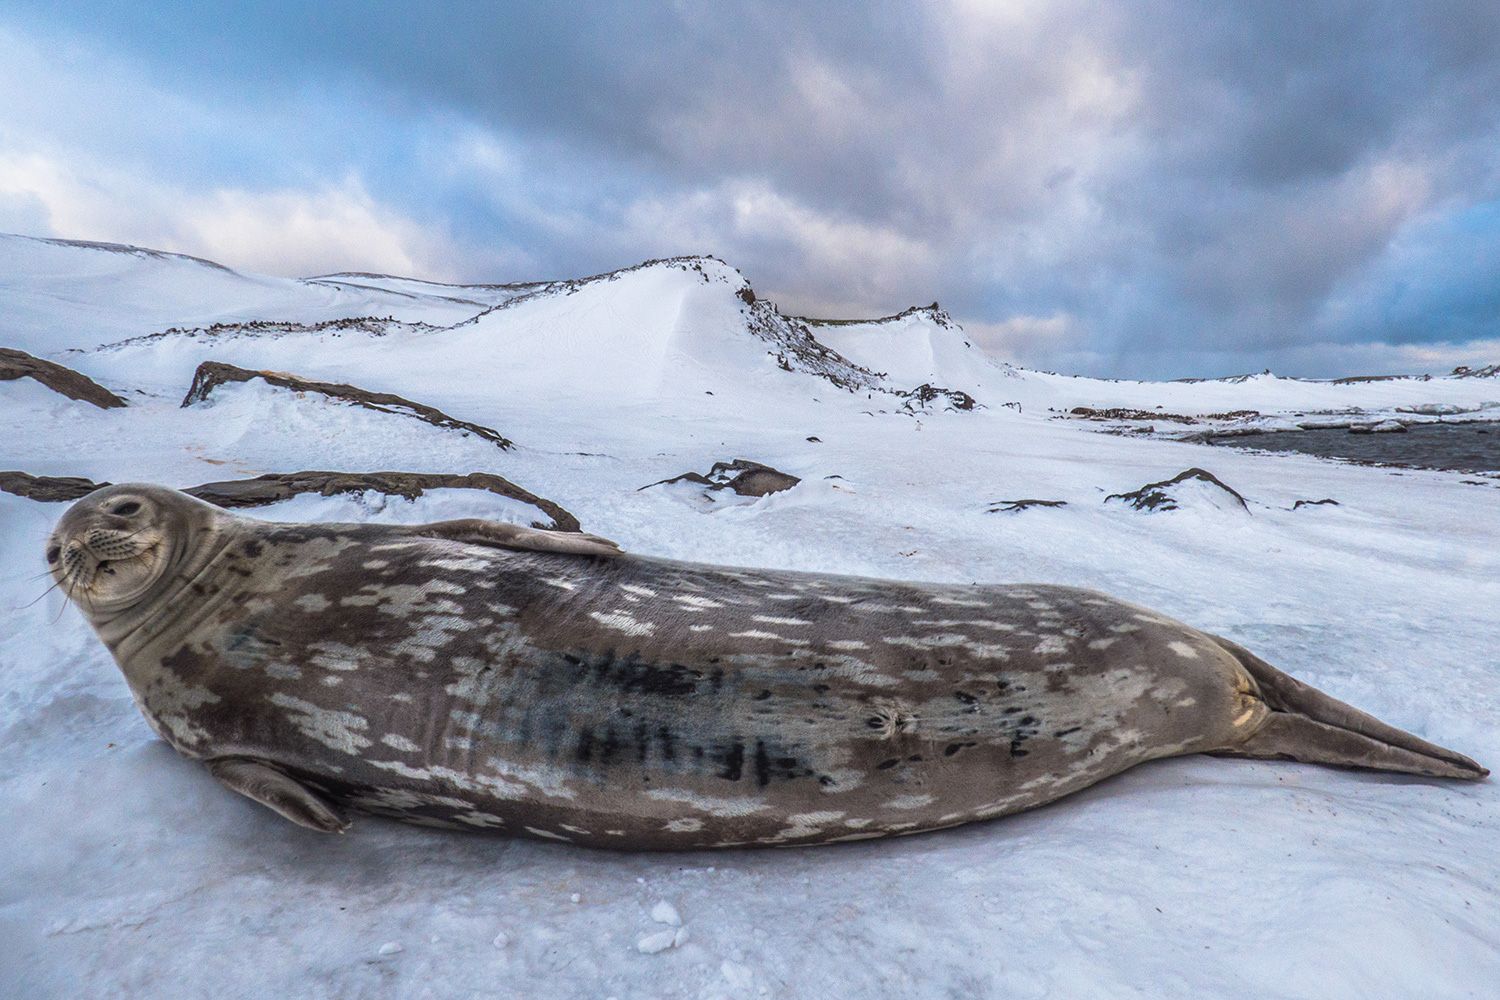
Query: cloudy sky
1154	189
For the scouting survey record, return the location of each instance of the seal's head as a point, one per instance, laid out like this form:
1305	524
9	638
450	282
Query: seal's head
113	548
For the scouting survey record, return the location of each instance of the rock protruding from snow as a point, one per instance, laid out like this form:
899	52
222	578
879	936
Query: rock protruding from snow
923	398
279	486
212	374
60	379
796	349
275	329
1131	413
1325	502
1488	371
1189	488
740	476
47	489
1015	506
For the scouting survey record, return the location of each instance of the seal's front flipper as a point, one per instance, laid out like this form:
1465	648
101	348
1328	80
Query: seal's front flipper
1306	725
271	788
500	535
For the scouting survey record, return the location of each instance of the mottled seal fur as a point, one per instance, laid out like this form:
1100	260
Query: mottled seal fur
480	675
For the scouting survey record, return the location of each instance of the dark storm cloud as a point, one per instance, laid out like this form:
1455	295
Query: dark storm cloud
1145	189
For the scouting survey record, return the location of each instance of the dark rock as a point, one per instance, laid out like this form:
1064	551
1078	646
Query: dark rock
1160	496
268	489
1488	371
1126	413
18	364
925	395
816	440
1011	506
48	489
755	480
1358	379
747	295
1325	502
272	488
748	479
212	374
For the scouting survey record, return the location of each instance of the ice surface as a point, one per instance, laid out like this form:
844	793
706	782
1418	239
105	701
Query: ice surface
128	871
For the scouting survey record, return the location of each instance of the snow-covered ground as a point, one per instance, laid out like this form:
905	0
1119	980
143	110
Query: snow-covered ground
129	872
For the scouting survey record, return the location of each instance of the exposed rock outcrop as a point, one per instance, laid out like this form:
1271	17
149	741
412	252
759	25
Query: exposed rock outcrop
926	396
1126	413
278	486
741	476
212	374
1203	487
48	489
1013	506
275	487
16	364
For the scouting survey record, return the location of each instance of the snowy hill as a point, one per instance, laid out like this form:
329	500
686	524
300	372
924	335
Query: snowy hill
921	344
130	872
61	294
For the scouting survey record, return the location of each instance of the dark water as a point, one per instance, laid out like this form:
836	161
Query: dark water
1461	447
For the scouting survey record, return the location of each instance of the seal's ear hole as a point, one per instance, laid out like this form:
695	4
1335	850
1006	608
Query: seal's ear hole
127	508
54	553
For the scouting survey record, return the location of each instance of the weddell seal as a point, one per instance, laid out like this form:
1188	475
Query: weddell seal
480	675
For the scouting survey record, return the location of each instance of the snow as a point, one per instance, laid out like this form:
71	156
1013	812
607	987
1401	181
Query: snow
130	872
656	941
60	296
665	913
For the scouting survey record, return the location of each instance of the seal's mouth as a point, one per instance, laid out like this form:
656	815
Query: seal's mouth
103	566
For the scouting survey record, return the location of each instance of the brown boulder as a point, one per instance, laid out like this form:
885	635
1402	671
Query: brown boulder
75	385
212	374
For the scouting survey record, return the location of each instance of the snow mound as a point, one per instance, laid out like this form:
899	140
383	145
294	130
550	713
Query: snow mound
922	345
1191	489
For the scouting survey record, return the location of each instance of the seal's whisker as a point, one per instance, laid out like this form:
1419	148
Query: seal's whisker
38	597
66	582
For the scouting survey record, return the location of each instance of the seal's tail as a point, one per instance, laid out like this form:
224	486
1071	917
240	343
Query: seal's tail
1309	726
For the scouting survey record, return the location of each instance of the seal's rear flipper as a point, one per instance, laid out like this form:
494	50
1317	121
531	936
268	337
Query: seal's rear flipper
271	788
500	535
1309	726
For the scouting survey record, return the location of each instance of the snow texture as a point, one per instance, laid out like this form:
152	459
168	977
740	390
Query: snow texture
128	872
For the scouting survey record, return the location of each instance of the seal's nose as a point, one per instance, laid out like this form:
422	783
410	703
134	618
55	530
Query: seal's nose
72	555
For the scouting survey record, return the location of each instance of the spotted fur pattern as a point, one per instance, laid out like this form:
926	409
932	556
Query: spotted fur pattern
642	703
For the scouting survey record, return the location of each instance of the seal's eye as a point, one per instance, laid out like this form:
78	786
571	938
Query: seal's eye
53	553
127	508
